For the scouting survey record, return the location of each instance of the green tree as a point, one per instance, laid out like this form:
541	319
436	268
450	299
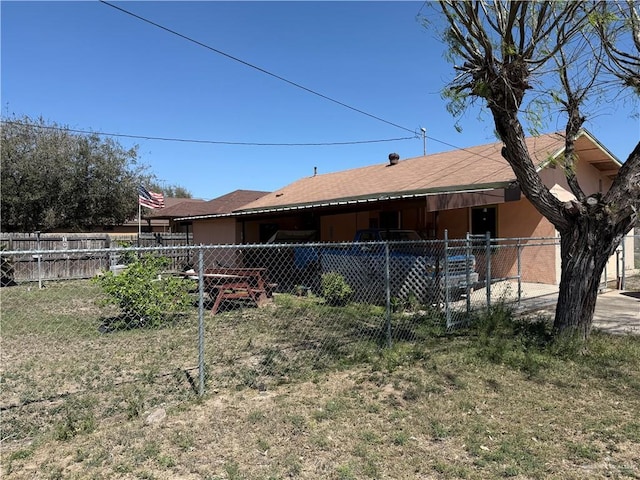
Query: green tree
172	191
514	57
53	178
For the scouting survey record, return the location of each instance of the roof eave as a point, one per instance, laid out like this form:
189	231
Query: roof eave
371	198
583	132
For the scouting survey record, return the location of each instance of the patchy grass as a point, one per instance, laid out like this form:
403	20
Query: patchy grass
302	389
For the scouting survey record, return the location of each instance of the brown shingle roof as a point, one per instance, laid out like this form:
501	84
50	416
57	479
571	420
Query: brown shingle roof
174	208
463	169
224	204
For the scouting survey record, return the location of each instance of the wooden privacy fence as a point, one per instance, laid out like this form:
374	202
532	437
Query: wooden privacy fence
63	261
53	241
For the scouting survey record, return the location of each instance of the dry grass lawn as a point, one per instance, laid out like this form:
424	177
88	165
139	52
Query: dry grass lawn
300	390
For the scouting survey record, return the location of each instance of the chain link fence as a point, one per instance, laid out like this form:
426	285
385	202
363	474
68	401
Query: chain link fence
88	334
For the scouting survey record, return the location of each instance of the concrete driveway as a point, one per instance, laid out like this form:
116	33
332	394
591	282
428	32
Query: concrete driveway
616	312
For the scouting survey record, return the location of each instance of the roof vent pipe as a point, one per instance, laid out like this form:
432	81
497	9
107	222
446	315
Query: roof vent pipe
393	158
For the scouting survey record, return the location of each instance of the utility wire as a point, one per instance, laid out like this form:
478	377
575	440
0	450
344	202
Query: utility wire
262	70
215	142
254	144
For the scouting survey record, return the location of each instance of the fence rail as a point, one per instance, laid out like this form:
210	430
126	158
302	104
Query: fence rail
128	327
77	256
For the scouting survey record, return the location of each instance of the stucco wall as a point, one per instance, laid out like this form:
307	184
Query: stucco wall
219	231
538	263
590	180
214	231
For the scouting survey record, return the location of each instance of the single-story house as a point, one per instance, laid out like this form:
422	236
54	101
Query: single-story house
150	221
161	220
226	229
471	190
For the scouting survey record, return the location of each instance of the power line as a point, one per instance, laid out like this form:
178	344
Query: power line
214	142
260	69
252	144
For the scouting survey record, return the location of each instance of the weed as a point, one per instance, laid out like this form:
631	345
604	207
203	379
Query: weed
263	445
248	378
184	440
370	437
584	451
321	441
370	468
55	473
255	416
330	410
123	468
438	430
448	470
134	403
233	471
150	450
400	439
145	297
165	461
298	422
293	465
632	432
344	472
77	418
335	289
21	454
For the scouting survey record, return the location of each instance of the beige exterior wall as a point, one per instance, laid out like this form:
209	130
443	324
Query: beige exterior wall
539	264
616	265
590	179
218	231
249	232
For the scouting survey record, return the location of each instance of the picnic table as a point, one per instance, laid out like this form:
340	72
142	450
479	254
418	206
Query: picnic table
237	284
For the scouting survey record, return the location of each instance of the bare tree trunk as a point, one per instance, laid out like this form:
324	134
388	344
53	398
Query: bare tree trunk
584	255
590	231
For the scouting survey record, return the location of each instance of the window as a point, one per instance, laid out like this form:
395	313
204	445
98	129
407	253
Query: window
483	220
390	219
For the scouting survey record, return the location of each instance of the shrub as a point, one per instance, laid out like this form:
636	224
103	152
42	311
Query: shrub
146	297
126	256
6	277
335	289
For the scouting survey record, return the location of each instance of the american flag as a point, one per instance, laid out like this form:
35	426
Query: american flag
150	199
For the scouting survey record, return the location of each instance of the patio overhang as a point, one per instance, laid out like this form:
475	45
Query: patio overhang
441	199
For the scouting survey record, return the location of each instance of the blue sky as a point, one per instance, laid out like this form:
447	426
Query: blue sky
91	67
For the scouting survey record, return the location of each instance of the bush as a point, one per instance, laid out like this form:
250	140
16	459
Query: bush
145	296
6	277
126	256
335	289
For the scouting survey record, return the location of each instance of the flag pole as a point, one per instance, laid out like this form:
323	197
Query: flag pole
139	220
